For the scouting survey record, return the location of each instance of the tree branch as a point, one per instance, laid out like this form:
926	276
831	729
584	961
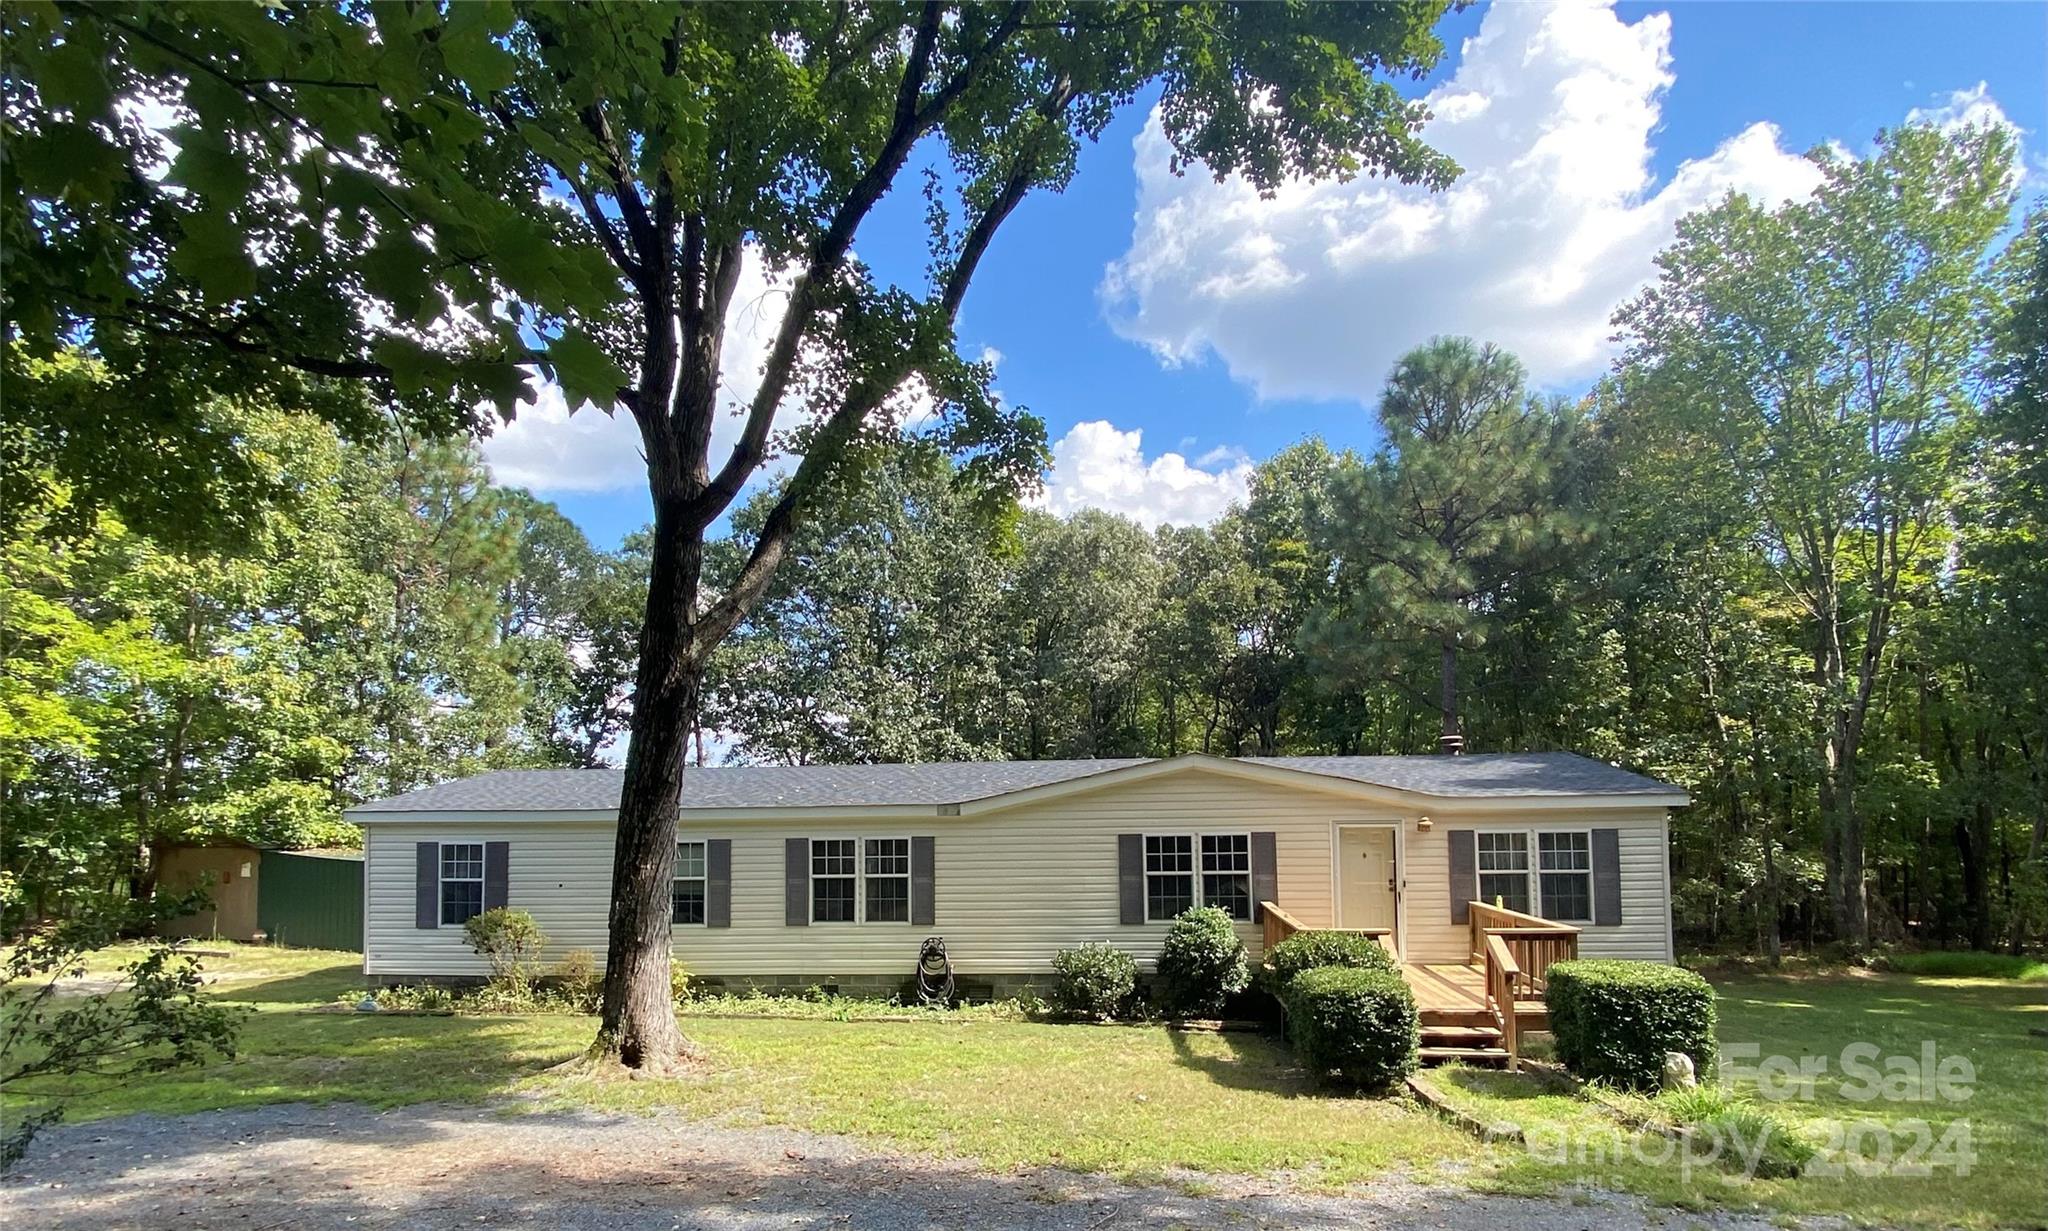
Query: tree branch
911	123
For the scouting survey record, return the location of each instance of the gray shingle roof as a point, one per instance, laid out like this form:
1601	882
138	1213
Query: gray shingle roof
1491	775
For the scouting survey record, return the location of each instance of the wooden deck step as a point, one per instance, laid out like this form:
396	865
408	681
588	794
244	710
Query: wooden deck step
1470	1055
1460	1036
1477	1016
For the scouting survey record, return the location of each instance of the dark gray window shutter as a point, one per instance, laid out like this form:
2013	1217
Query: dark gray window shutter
1464	872
796	882
497	875
426	885
718	883
921	884
1606	877
1130	876
1265	873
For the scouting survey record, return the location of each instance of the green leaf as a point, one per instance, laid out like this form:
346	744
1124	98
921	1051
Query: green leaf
74	77
586	373
396	268
471	54
214	255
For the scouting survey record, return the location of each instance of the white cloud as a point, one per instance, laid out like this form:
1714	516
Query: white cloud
1971	108
1315	292
1096	466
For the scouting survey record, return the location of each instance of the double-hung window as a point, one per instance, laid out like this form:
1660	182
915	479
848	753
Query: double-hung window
1504	869
1227	873
1183	871
860	879
834	883
1565	873
462	881
1556	883
686	892
1169	875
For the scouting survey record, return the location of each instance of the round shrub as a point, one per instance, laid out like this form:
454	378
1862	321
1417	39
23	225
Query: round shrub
1095	980
1358	1024
1308	950
510	941
1614	1020
1203	963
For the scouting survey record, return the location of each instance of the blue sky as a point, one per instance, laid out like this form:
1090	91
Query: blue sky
1170	332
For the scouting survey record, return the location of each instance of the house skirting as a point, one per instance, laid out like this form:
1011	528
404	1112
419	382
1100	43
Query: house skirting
976	987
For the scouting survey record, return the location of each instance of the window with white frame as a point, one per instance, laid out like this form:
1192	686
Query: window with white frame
1565	874
885	883
1183	871
1227	873
1504	869
462	881
1169	875
687	892
835	883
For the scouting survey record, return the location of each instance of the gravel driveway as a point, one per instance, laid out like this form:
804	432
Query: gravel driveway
435	1166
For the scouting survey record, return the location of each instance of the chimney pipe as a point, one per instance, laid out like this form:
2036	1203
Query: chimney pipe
1450	745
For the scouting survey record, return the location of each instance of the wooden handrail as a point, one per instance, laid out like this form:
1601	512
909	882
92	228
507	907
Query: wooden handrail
1535	942
1502	917
1280	925
1501	973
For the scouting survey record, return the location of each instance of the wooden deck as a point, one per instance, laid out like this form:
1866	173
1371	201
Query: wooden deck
1474	1011
1444	990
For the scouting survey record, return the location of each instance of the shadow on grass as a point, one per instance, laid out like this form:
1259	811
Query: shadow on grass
1255	1062
312	987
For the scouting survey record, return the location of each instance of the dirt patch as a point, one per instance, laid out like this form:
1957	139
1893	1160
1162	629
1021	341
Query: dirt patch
335	1167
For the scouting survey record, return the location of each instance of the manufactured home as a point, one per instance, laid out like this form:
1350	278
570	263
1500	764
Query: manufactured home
795	876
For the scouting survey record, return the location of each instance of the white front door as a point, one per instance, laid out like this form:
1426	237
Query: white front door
1365	876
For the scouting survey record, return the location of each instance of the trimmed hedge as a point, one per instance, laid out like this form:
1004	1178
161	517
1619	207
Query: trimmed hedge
1202	964
1359	1024
1095	980
1614	1020
1308	950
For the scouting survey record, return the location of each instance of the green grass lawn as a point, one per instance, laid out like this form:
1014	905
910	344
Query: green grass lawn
1135	1100
1985	1021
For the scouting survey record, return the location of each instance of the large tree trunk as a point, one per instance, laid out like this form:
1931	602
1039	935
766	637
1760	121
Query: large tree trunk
1841	822
639	1025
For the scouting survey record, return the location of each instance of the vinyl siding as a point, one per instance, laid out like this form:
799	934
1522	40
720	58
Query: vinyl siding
1011	887
1644	931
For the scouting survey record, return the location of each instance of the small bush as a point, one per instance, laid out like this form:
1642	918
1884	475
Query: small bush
1308	950
1615	1020
577	980
1359	1024
678	981
1203	963
1095	980
510	941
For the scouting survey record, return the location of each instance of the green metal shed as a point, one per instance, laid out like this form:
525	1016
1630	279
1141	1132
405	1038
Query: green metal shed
313	901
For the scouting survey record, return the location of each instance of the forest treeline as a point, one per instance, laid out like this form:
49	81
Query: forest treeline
1792	554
